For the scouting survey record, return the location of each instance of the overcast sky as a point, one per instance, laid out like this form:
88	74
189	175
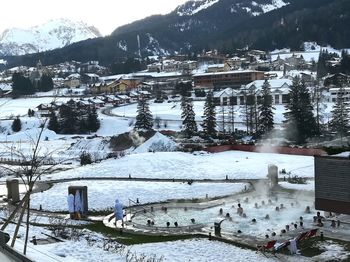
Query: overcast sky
106	15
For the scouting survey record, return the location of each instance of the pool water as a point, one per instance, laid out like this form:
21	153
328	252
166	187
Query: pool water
277	221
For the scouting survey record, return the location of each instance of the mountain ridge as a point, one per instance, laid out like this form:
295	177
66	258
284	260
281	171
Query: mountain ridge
53	34
226	25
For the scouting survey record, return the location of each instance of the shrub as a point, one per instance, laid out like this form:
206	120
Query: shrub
85	159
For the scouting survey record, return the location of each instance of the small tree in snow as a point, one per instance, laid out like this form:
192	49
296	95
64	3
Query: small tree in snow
16	125
265	110
144	118
92	122
85	158
209	122
189	125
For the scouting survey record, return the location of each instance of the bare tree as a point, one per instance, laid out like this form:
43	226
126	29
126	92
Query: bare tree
250	110
32	166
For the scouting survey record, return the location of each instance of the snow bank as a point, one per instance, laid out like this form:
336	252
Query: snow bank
332	252
201	250
98	148
157	143
343	154
31	135
309	186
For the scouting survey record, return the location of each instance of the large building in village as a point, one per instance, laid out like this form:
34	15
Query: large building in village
231	96
227	79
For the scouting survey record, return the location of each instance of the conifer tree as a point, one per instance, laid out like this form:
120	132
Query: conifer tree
68	120
300	123
21	85
16	125
209	121
83	127
93	123
45	83
144	118
53	123
266	121
340	115
189	125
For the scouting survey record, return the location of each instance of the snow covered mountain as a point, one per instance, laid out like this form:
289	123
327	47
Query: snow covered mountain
252	7
53	34
225	25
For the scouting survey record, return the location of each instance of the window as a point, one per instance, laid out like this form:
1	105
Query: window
285	99
233	100
241	100
277	99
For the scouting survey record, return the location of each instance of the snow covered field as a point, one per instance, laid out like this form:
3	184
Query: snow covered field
234	164
20	106
102	194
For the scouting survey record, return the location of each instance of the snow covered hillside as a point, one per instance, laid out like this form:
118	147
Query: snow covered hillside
193	7
53	34
254	8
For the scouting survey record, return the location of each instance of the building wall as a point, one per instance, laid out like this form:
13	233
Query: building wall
72	83
232	79
335	91
332	184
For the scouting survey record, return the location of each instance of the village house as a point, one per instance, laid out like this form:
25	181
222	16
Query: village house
89	78
45	110
234	63
110	79
97	102
120	84
124	99
111	99
216	68
5	89
171	65
72	81
338	79
91	67
58	82
188	65
99	88
154	67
